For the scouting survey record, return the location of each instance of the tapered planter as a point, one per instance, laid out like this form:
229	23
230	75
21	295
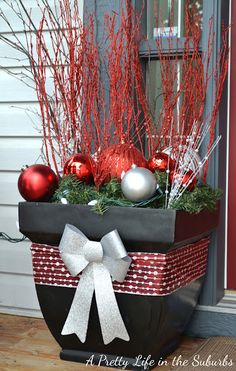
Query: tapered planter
154	321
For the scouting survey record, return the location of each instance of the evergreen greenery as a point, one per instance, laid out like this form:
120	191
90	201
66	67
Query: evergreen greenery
200	198
74	191
161	178
110	194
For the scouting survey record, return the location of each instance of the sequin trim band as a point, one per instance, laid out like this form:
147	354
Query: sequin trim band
152	274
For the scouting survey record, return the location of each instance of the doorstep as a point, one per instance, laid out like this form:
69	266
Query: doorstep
217	320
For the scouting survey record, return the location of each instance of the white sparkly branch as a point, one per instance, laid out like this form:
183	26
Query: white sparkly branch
188	159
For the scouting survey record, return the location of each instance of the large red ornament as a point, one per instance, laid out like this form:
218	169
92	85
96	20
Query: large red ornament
117	159
81	166
37	183
184	179
160	162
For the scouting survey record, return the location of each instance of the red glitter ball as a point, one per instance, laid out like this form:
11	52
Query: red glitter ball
160	162
117	159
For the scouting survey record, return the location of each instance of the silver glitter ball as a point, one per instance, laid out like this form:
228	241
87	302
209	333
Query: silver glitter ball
138	184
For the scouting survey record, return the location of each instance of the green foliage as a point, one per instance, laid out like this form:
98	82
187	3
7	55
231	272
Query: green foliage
100	207
161	178
200	198
74	191
113	189
110	194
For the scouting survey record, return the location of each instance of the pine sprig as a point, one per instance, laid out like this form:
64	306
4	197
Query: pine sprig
74	191
113	189
100	207
202	197
161	178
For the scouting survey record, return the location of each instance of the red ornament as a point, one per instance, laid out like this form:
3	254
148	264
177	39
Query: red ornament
81	166
160	162
117	159
184	179
37	183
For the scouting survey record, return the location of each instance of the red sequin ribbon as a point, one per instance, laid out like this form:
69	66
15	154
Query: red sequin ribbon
154	274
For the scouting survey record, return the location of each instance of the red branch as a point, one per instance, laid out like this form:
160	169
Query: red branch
92	95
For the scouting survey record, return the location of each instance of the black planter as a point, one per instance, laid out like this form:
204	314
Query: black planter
154	323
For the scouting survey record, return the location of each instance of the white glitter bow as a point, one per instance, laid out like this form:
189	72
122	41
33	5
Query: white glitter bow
99	261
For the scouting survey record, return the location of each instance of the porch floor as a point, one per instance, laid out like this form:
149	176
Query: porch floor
27	345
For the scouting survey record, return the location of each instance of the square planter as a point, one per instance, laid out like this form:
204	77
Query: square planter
154	322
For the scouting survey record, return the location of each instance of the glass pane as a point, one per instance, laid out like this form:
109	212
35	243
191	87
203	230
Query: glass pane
165	17
153	87
155	90
174	92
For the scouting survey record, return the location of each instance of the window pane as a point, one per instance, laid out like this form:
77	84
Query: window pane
174	92
165	14
155	89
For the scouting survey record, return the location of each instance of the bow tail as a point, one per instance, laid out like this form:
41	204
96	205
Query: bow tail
78	317
112	325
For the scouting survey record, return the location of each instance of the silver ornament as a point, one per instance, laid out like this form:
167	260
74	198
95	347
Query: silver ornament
138	184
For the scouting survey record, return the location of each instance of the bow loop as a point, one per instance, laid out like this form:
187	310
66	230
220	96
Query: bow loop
113	245
99	261
71	249
72	240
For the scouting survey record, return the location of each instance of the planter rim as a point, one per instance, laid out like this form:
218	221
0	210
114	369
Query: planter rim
90	207
154	229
